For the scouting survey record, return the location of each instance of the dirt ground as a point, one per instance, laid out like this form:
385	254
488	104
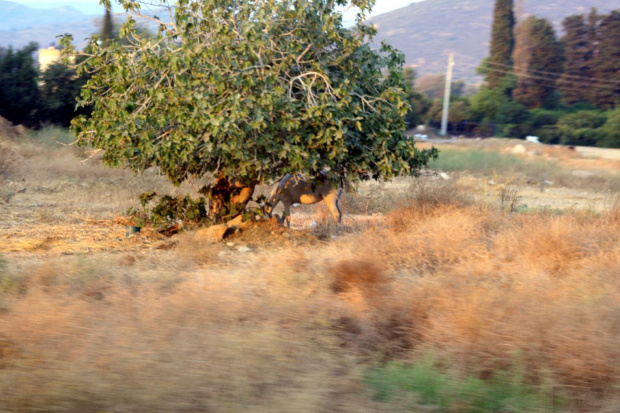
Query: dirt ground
73	215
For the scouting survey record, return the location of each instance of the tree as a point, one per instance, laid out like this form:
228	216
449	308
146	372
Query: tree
59	90
18	85
578	53
606	68
245	92
502	42
541	65
106	31
418	102
433	86
460	112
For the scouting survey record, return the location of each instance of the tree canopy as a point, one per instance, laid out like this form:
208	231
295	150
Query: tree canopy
248	90
543	54
502	42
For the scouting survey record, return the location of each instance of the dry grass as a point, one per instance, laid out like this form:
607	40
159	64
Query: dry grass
93	321
484	288
8	159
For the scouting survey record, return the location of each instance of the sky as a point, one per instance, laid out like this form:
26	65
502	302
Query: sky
93	7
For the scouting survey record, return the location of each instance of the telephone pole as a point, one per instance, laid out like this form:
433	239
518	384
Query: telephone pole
446	97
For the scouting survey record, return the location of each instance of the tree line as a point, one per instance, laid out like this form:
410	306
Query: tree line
564	90
35	98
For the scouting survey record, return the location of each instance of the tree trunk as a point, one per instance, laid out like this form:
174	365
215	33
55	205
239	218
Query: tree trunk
228	198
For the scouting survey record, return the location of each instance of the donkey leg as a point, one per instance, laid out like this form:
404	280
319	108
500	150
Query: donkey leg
333	204
287	213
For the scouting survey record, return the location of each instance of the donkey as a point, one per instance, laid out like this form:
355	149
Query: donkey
295	189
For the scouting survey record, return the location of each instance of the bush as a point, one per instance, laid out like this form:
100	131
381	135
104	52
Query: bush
581	137
585	119
581	128
446	392
544	117
515	119
611	130
549	134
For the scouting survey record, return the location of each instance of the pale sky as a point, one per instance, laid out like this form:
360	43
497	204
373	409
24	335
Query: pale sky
93	7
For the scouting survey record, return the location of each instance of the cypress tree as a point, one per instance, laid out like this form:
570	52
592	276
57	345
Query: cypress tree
578	52
606	68
106	31
502	42
523	47
537	80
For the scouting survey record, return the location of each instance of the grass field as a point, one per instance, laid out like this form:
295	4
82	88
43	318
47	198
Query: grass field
433	296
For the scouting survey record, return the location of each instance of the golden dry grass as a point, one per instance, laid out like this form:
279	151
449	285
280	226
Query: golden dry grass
91	320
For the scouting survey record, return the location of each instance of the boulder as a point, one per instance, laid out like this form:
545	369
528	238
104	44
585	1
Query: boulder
236	222
212	234
583	174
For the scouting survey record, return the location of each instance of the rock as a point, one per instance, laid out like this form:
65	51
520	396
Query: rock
518	149
244	249
230	244
583	174
236	222
211	234
312	224
444	176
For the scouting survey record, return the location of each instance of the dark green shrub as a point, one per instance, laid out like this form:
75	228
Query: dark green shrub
504	391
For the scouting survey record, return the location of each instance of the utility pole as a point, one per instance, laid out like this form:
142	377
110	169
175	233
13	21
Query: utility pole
446	97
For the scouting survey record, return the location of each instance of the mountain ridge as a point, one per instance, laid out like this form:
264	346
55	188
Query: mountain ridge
20	24
428	31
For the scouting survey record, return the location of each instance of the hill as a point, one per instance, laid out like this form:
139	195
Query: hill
427	31
19	24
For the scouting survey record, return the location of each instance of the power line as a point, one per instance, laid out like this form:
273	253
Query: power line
552	82
586	79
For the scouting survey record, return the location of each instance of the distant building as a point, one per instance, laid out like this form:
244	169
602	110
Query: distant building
48	57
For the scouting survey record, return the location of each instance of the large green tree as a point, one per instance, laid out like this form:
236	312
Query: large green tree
542	65
578	53
606	67
246	91
502	42
19	93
